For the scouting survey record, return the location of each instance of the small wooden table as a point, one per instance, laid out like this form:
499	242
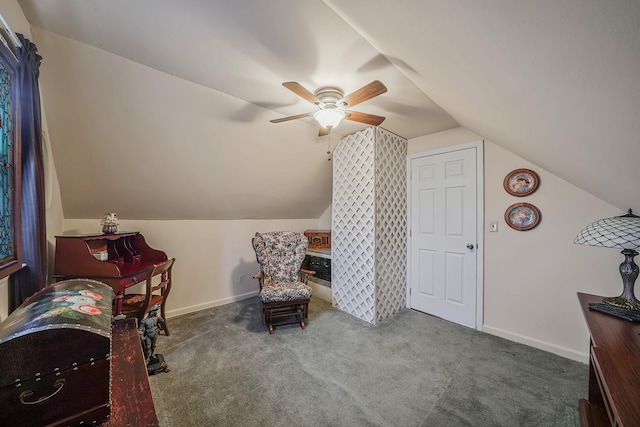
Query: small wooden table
614	369
131	399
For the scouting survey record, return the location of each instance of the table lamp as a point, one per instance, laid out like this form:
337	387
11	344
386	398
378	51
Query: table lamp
622	232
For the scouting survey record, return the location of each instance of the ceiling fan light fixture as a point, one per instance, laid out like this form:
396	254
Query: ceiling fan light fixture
329	118
333	105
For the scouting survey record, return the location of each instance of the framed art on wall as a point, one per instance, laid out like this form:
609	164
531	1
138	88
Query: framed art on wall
522	216
521	182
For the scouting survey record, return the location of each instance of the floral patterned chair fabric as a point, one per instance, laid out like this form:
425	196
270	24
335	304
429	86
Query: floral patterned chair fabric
283	287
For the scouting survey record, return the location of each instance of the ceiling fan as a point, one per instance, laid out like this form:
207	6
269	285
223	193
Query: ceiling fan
333	105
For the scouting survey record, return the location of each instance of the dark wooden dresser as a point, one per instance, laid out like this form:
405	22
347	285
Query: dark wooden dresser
614	369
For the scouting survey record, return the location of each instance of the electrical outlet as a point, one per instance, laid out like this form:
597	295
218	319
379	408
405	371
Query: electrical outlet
494	226
240	278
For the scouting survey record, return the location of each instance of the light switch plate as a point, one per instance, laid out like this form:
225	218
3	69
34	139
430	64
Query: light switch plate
494	226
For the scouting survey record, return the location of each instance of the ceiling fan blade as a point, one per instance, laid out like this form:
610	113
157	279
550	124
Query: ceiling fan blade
299	90
366	92
286	119
370	119
323	131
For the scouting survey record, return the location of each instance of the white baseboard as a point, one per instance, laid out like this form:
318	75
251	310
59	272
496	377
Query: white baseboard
552	348
210	304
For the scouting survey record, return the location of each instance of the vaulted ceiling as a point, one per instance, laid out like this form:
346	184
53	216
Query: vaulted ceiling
160	109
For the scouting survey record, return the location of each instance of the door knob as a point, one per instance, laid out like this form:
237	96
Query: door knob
470	246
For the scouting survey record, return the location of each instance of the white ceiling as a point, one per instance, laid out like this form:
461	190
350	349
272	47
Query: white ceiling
552	81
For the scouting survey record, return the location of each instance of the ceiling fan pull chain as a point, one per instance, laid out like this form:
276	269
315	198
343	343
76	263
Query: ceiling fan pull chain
329	147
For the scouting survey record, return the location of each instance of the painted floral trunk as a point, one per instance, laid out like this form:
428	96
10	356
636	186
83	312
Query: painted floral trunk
55	351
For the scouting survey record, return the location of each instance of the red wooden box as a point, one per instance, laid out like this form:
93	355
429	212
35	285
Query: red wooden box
55	351
319	238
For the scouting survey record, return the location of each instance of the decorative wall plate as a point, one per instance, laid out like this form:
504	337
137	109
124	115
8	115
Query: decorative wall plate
521	182
522	216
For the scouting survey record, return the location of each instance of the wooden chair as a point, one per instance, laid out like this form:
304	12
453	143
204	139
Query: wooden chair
284	293
138	305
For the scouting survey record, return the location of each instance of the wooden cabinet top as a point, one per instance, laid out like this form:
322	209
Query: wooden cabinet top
100	236
609	332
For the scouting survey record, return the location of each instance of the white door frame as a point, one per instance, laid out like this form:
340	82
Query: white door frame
479	146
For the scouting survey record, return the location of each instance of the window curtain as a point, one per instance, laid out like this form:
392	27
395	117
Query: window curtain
33	277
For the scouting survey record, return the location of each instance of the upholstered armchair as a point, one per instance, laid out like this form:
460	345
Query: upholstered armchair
284	293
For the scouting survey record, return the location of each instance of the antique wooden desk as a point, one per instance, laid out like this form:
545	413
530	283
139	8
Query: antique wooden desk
120	260
131	399
614	369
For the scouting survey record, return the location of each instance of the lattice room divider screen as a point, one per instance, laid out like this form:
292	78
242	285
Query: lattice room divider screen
369	224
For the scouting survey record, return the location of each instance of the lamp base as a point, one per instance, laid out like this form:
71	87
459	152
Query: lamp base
629	273
623	302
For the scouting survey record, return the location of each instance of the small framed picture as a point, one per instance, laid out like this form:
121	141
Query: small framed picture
522	216
521	182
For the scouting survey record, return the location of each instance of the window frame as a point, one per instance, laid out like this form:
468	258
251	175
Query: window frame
14	262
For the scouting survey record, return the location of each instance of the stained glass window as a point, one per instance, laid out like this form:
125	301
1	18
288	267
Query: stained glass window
10	257
6	167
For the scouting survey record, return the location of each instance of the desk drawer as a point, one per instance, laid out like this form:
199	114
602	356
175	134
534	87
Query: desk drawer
134	280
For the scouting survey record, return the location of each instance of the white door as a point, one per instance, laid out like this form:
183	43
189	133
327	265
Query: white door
444	235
